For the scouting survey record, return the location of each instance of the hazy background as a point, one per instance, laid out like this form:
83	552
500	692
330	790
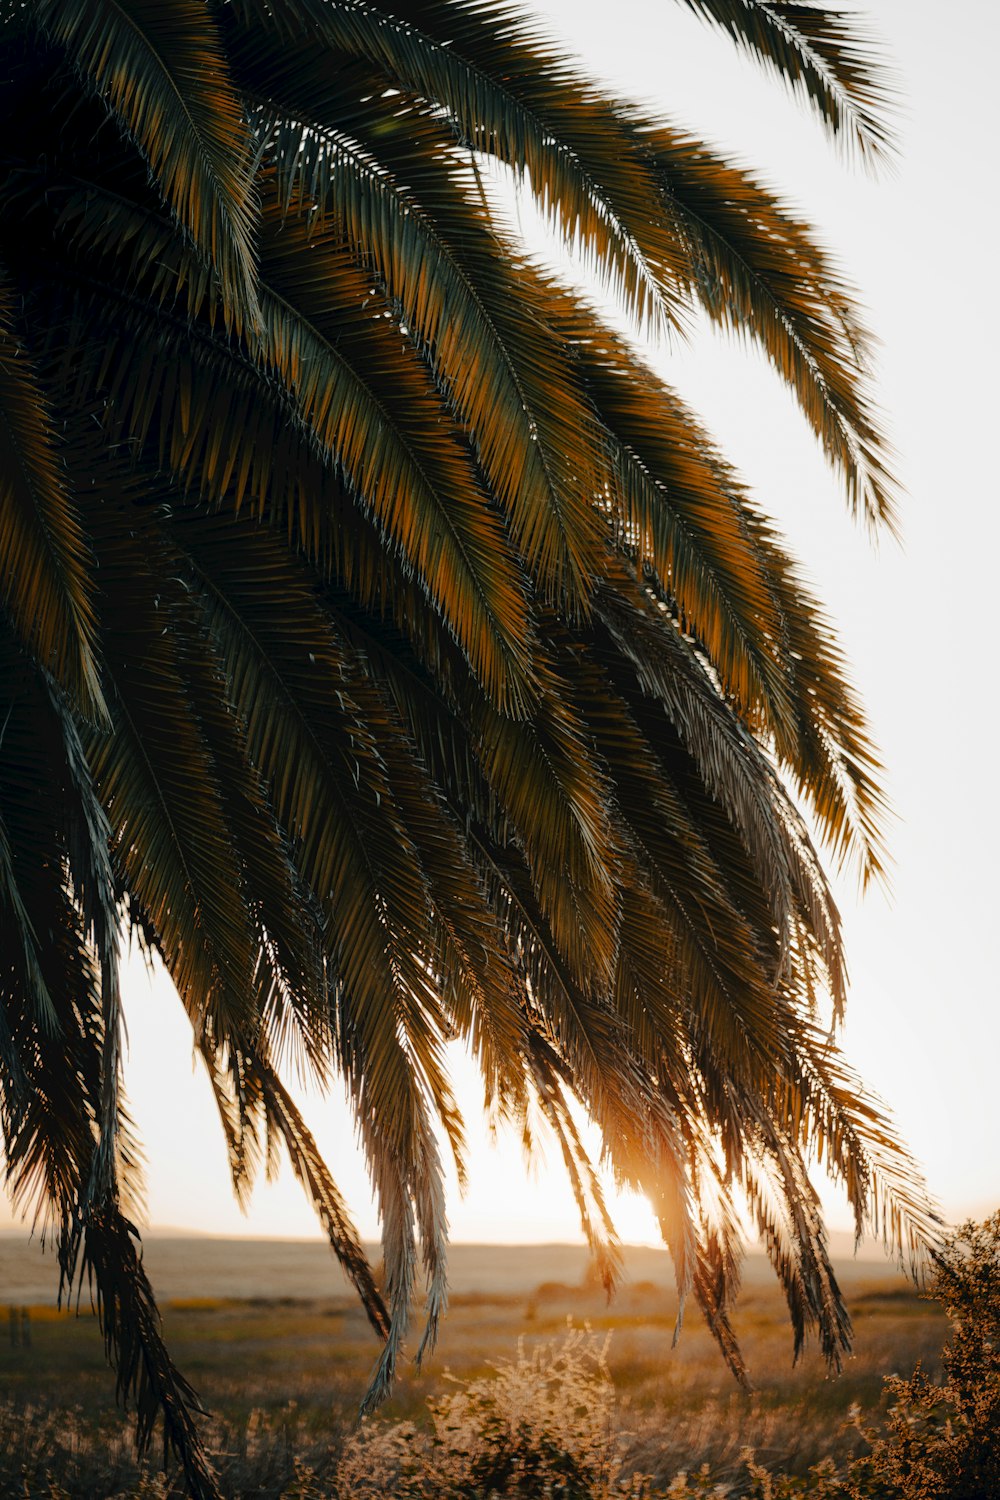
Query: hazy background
919	623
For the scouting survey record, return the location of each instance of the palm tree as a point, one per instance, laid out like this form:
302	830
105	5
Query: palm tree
395	656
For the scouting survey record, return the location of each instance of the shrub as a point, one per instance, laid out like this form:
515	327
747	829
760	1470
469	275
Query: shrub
942	1440
52	1454
543	1425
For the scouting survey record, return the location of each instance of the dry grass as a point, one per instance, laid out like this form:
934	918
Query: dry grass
283	1377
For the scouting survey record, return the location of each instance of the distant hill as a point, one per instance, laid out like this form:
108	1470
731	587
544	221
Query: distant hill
183	1265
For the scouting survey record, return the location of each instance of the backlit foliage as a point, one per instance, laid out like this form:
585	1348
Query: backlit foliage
397	657
544	1424
941	1438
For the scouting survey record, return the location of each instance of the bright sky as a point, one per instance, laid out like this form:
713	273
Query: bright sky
918	623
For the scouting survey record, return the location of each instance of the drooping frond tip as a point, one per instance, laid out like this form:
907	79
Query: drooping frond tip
829	57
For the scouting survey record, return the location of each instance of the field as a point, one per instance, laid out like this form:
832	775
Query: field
275	1358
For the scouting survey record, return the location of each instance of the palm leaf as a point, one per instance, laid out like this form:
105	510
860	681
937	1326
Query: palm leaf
733	769
758	273
165	76
548	1077
104	1249
411	208
47	590
371	410
330	793
314	1175
370	418
504	92
679	511
172	839
89	849
822	54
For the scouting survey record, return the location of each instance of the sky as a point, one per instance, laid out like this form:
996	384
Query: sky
918	622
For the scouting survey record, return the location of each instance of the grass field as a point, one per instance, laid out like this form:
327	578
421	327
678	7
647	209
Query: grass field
290	1369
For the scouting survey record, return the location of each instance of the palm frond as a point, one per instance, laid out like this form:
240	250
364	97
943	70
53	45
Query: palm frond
172	839
595	1219
332	341
89	855
505	92
47	589
733	768
411	208
314	1175
759	274
165	76
104	1250
366	411
679	512
21	946
823	54
399	657
831	757
329	790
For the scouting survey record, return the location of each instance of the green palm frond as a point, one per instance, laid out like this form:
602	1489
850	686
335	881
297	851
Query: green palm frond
733	769
367	410
157	776
56	1126
549	1077
332	342
313	1173
834	761
24	973
679	512
95	890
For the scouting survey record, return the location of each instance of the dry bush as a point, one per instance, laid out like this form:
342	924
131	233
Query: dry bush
943	1440
543	1425
53	1454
